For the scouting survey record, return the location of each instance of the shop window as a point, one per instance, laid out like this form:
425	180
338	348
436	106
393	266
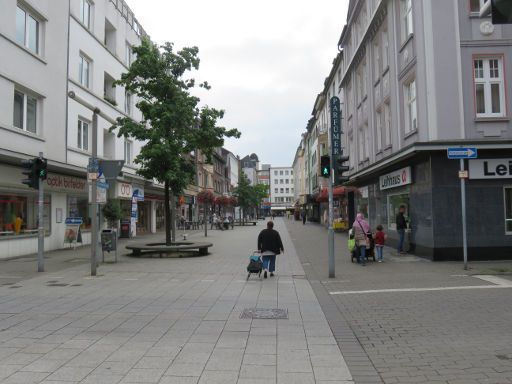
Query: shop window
18	214
508	210
394	204
78	206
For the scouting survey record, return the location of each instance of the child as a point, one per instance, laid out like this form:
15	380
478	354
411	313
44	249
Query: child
380	239
352	245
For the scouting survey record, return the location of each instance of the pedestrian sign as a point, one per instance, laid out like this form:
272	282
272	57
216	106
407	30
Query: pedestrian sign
462	153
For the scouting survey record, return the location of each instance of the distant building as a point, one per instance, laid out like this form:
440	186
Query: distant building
282	188
250	165
263	177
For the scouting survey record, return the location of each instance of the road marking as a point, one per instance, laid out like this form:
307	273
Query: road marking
207	281
131	279
420	289
494	279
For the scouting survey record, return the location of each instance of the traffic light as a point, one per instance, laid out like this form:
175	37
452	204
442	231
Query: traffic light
32	180
36	169
339	168
501	11
41	168
325	166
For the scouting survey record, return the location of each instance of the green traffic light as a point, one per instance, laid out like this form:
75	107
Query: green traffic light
325	171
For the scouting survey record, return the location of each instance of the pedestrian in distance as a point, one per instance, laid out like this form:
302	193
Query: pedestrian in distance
401	226
380	239
303	214
361	230
214	220
270	245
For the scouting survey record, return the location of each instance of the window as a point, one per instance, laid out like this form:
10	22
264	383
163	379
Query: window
291	173
25	112
378	129
128	103
412	121
78	206
128	152
508	209
489	87
286	173
18	213
281	181
366	141
109	89
407	18
85	13
110	37
276	181
84	67
27	30
287	190
281	173
376	56
83	135
360	138
475	5
282	190
276	190
387	124
385	50
287	181
129	54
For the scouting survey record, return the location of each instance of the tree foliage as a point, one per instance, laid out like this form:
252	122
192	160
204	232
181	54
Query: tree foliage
173	125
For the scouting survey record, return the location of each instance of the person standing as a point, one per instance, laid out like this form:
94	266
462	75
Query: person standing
401	226
380	239
361	230
303	214
270	245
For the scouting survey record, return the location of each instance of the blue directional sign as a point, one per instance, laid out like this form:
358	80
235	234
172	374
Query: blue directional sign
462	153
74	221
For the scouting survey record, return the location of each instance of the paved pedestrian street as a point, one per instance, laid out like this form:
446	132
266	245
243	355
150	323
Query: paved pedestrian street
166	320
409	320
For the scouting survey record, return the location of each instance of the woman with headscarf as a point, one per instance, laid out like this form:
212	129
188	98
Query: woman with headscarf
361	230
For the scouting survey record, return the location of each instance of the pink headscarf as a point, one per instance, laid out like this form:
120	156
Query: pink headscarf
361	222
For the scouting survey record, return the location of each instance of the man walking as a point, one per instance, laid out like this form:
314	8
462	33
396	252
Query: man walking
401	226
303	214
270	245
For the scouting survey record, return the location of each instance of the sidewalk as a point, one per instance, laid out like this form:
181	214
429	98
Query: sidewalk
169	321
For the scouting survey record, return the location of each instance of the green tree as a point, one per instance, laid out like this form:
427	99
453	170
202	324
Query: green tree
244	195
173	125
260	192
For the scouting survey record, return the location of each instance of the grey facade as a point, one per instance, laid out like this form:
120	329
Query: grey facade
418	77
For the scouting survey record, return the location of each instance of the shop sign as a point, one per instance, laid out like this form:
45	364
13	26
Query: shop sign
364	192
65	183
395	179
335	126
124	191
490	169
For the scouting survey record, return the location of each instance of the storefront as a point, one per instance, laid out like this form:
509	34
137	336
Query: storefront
428	187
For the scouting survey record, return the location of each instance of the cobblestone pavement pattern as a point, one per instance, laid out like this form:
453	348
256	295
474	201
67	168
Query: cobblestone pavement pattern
167	321
460	336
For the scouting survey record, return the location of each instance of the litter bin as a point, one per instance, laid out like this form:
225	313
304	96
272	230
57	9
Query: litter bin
108	242
125	229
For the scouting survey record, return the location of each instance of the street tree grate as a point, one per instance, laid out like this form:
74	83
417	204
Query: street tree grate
264	313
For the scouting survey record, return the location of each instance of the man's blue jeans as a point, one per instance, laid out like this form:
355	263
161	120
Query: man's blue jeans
269	263
362	254
401	237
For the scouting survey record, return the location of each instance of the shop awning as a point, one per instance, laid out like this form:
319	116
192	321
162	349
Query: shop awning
323	196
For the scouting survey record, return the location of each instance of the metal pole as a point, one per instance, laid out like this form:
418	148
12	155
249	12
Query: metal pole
331	219
94	205
463	204
40	225
205	221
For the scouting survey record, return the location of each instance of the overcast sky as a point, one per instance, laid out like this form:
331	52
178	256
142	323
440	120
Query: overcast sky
266	61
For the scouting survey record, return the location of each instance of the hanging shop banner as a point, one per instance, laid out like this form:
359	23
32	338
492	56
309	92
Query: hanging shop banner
335	126
396	179
138	193
124	191
490	169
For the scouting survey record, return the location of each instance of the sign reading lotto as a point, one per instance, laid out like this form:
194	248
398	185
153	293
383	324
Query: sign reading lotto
396	179
490	169
335	126
124	191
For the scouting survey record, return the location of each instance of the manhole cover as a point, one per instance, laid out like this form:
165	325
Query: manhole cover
264	313
57	285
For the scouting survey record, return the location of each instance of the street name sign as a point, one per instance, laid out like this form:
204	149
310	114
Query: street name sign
462	153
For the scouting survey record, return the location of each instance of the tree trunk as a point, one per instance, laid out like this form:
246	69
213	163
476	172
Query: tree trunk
167	209
173	217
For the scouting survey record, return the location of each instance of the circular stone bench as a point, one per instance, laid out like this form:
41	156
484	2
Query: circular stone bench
161	248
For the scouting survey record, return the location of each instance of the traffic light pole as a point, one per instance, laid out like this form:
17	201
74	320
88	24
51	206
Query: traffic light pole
40	225
330	234
94	204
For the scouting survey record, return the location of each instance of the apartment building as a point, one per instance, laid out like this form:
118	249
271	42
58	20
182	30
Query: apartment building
282	188
418	77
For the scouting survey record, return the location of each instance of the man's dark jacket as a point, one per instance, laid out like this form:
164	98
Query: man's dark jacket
269	240
400	221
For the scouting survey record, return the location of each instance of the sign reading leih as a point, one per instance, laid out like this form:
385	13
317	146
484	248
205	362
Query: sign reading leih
490	169
396	179
335	127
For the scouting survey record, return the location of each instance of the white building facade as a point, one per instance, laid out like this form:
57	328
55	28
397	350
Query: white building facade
48	49
282	188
